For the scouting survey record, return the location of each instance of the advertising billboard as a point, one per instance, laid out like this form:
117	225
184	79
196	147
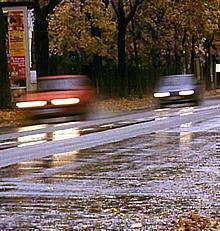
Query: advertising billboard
16	46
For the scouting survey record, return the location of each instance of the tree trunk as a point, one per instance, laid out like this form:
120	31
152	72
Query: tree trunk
97	61
193	55
177	63
41	43
122	22
137	72
123	79
207	67
5	92
184	52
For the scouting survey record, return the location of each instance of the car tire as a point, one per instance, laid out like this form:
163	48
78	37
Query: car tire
196	102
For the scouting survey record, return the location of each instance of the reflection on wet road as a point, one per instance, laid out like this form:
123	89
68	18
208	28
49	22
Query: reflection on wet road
36	134
142	183
62	134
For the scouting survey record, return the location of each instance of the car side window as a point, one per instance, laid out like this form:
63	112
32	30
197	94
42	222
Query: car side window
60	84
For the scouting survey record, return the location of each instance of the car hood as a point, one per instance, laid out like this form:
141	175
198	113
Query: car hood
175	88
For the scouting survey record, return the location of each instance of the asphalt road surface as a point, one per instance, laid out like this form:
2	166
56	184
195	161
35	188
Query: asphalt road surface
140	171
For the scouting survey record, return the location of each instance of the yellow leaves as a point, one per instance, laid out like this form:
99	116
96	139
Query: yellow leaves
71	24
126	104
196	222
43	2
11	118
95	8
158	25
132	103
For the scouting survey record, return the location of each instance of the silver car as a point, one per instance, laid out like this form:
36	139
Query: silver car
175	89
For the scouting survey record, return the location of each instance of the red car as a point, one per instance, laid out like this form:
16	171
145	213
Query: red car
58	96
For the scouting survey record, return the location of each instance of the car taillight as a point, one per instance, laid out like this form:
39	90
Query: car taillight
30	104
67	101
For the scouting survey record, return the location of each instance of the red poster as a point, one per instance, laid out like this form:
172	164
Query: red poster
16	45
17	66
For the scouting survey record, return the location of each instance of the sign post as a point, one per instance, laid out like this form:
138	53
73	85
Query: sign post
217	68
17	42
18	46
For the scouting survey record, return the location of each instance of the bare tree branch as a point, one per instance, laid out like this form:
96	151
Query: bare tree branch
115	7
133	10
52	4
47	9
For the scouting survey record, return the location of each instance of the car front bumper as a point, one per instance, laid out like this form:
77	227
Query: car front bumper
177	100
35	113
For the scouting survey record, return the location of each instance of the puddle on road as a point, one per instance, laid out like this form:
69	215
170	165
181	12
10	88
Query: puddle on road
143	183
40	138
62	134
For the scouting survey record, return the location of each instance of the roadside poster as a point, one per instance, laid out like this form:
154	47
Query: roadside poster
16	45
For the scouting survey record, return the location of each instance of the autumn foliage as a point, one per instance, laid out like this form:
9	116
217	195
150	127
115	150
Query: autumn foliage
160	37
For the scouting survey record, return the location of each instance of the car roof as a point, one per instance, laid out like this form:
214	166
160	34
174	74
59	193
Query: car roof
177	80
61	77
179	75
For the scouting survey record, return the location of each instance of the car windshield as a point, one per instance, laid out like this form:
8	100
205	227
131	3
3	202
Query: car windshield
62	84
177	81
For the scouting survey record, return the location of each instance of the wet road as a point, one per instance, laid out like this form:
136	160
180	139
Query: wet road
165	165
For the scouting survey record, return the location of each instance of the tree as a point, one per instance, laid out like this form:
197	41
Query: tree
72	30
120	7
84	31
172	31
42	9
5	93
157	36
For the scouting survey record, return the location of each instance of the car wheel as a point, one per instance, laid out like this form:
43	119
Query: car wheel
196	102
84	116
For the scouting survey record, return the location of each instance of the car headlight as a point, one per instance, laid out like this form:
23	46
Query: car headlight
161	94
186	92
67	101
30	104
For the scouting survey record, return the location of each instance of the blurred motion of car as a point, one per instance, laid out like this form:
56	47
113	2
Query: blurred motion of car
175	89
58	96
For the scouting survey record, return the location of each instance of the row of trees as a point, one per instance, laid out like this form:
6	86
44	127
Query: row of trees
124	45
